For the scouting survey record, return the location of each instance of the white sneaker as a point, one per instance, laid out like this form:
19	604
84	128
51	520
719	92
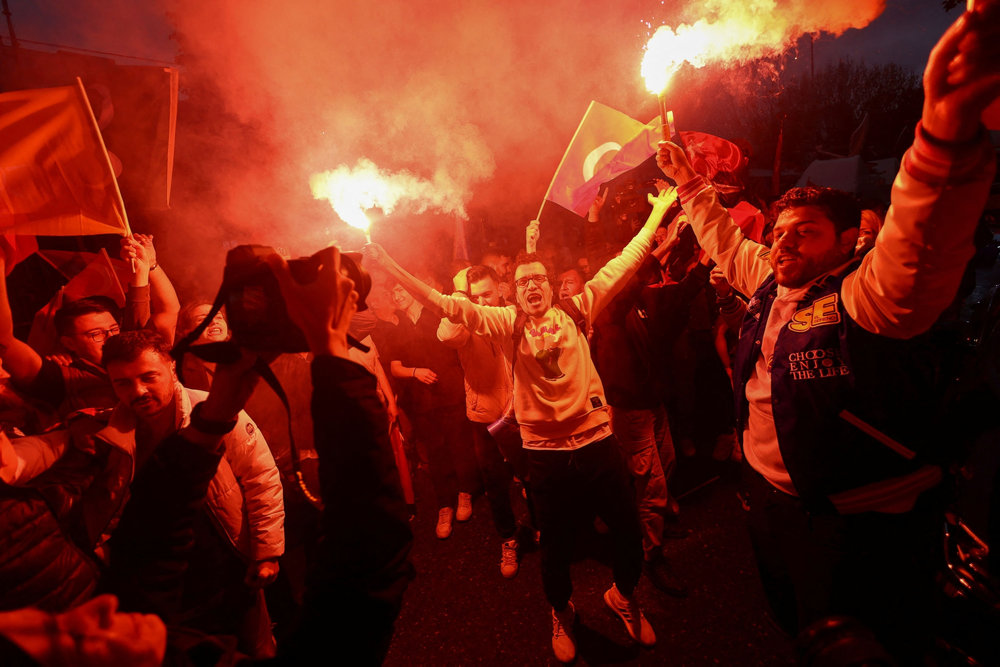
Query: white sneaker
628	610
464	512
508	559
562	634
445	515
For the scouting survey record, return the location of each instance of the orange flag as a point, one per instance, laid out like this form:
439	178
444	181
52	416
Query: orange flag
102	276
55	175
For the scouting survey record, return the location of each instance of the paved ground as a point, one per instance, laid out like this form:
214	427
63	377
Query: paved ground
460	611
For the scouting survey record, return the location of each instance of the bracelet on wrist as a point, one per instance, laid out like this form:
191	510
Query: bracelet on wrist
153	268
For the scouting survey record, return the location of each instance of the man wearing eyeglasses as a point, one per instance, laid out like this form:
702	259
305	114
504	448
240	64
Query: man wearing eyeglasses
83	325
576	468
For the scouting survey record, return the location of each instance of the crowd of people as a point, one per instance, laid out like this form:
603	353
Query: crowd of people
160	509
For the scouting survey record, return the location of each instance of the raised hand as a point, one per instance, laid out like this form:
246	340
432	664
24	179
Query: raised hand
321	309
674	163
962	76
531	234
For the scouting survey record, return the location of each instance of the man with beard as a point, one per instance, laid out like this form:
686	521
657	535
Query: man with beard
843	478
241	536
575	466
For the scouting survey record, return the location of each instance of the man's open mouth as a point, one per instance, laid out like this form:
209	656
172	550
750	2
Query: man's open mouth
785	259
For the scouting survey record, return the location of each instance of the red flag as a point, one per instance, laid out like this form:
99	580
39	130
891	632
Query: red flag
717	159
15	248
402	465
55	176
749	219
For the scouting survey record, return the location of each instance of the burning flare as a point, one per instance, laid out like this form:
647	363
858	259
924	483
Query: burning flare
353	190
741	31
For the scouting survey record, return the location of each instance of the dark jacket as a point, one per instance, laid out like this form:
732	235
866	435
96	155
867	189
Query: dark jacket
355	589
825	368
153	540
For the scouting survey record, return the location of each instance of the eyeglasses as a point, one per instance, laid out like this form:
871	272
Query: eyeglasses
538	279
101	335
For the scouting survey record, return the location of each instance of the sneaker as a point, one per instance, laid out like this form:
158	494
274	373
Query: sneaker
445	515
508	559
464	512
563	644
661	575
628	610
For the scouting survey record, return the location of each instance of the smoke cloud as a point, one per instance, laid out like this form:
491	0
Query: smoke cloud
727	31
475	100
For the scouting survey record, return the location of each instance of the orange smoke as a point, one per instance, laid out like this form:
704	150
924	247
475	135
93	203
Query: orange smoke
740	31
353	190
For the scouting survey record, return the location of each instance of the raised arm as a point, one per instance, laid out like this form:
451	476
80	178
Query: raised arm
483	320
743	261
152	299
614	275
19	359
913	272
363	562
451	333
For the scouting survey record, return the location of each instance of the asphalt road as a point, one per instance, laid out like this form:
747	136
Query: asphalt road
459	610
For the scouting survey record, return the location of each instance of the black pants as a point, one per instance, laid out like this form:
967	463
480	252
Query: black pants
446	435
875	567
569	488
497	478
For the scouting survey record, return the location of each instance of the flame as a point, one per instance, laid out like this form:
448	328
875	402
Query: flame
353	190
741	31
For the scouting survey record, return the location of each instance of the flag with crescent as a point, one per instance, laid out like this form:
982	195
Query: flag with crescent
598	139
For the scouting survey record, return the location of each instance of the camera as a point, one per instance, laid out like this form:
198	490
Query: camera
255	309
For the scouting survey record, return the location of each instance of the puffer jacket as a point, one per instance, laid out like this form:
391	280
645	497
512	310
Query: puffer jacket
244	498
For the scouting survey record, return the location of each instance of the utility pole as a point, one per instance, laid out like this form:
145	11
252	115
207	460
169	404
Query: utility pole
812	56
10	25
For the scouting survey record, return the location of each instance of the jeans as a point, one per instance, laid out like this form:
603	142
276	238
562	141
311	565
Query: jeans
638	433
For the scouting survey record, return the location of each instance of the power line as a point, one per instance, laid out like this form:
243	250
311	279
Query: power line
21	40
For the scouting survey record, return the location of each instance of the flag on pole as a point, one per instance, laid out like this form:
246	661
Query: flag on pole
634	152
776	171
55	175
600	136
